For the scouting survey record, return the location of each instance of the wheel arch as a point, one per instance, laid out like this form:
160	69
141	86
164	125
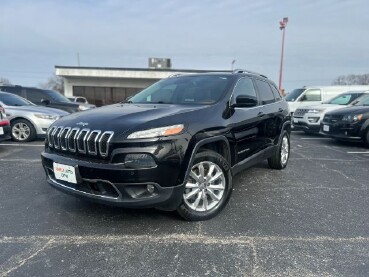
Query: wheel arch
219	144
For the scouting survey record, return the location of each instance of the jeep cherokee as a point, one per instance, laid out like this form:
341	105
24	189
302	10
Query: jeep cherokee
173	146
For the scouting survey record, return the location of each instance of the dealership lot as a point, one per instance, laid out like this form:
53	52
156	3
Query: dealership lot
311	219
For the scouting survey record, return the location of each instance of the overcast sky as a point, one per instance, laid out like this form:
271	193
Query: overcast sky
324	39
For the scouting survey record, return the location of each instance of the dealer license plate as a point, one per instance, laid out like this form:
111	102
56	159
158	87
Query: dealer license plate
65	173
1	131
325	128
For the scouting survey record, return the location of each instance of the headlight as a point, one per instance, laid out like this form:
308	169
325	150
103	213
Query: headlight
158	132
315	111
46	116
352	118
83	107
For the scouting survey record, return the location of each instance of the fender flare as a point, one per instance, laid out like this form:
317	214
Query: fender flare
201	143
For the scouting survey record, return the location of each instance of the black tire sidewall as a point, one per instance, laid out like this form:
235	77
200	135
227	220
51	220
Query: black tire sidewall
32	134
214	157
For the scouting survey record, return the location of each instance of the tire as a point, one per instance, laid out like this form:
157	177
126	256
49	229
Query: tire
280	158
203	199
366	138
22	131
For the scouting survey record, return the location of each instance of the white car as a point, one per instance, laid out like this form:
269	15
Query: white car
308	118
27	121
314	95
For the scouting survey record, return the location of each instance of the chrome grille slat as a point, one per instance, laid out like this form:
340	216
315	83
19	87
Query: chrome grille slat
104	141
63	138
92	138
56	137
50	137
80	141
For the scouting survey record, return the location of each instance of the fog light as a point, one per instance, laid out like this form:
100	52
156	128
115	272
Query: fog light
150	188
139	161
313	119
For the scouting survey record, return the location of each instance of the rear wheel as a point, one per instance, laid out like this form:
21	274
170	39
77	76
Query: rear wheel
366	138
207	188
280	158
22	130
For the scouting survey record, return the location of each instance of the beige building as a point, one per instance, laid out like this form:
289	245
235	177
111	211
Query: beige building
105	85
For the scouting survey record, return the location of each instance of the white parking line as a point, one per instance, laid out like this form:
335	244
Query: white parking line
358	152
19	144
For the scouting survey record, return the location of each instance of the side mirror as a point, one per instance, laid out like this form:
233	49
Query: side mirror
45	101
246	101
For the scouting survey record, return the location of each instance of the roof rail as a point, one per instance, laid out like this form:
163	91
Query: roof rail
248	71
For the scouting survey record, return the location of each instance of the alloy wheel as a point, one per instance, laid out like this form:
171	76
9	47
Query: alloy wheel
205	186
285	151
21	131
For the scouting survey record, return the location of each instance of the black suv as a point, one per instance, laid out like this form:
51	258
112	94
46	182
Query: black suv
173	146
351	123
44	97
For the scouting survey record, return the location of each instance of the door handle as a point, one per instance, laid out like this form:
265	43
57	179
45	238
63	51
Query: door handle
261	114
280	110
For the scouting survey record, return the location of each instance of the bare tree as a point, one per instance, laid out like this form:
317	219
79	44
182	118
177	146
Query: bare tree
4	81
352	79
54	83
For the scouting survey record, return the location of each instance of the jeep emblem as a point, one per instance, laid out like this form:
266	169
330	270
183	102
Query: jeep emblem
82	124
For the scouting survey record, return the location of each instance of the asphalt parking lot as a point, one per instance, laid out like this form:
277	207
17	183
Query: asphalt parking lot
311	219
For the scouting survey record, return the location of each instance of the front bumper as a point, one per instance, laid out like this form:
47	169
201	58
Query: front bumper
302	124
113	184
342	131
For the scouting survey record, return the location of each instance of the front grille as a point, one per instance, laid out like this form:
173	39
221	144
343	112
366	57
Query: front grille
79	141
332	118
300	112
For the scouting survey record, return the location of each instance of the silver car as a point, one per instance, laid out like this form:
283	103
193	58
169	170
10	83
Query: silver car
27	120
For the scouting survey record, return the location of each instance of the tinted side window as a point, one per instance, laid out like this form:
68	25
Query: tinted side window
36	95
277	94
13	90
312	95
244	86
265	92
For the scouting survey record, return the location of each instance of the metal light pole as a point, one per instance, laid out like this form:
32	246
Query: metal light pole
233	64
282	26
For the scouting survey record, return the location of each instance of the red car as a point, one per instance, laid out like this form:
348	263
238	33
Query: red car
4	125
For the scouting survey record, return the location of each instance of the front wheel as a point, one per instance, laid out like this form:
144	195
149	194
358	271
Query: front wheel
207	188
366	138
22	130
280	158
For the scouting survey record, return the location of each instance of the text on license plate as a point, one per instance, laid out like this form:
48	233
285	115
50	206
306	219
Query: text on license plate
65	173
325	128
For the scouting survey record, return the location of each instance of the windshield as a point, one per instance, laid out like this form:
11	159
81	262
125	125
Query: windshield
293	95
363	101
56	96
14	100
345	99
184	90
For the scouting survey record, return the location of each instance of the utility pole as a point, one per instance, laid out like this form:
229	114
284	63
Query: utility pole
233	64
282	27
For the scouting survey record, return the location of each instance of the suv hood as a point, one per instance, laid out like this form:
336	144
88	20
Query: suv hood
121	118
35	109
351	110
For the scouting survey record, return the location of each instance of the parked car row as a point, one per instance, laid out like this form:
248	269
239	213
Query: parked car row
30	111
46	97
343	117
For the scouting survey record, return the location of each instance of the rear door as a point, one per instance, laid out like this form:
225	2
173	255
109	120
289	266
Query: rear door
245	122
272	112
